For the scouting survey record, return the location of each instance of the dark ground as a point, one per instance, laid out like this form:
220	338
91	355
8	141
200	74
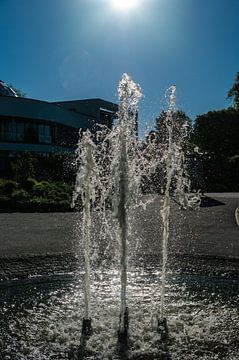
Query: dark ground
203	239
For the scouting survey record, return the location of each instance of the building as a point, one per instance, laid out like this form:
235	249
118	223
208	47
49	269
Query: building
43	127
6	90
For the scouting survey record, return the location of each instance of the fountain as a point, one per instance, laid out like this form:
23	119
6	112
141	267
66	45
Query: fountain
114	297
125	188
129	94
124	145
162	322
177	187
85	186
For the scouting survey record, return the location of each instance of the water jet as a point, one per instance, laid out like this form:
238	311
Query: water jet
85	189
129	95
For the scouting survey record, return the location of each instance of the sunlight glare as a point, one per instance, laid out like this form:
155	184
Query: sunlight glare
124	5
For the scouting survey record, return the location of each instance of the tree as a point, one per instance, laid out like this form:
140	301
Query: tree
234	93
59	167
181	122
216	133
156	143
24	167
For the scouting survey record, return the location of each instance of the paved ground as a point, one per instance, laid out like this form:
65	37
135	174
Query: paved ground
210	231
24	234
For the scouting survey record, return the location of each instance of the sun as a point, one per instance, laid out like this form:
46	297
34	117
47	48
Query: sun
124	5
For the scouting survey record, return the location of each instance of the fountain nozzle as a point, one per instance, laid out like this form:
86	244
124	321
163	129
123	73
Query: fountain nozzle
162	328
86	327
123	332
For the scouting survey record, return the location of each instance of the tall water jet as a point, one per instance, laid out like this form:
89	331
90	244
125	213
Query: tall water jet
85	187
177	185
129	95
165	212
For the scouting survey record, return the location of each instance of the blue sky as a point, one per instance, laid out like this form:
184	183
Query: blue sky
76	49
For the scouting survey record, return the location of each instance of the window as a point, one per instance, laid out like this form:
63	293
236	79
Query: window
25	130
20	131
31	133
7	130
44	134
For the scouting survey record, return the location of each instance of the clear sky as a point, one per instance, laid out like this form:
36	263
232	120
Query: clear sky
76	49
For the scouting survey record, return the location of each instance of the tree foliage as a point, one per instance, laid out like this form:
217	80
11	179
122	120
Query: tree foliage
180	119
234	93
156	143
59	166
216	135
217	132
24	167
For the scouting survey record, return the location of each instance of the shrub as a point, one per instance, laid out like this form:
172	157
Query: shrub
20	195
52	191
40	189
234	159
7	187
4	198
28	184
31	192
24	167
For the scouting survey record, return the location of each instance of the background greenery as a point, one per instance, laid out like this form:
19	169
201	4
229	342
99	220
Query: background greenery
212	147
38	183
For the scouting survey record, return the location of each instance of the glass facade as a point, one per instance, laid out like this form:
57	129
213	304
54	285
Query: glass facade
20	130
29	131
44	132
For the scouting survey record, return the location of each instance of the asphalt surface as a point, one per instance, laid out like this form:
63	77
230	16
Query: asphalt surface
212	230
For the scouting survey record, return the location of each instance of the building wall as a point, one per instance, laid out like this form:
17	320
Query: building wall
101	111
43	128
31	125
37	122
41	110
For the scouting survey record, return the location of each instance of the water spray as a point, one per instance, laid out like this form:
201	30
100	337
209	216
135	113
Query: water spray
86	189
177	188
165	212
129	94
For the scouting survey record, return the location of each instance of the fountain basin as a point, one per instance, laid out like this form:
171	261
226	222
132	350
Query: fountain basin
41	316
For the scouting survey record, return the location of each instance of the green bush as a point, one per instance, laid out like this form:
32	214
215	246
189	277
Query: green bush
39	200
4	198
40	189
24	167
7	187
31	191
52	191
234	159
28	184
20	195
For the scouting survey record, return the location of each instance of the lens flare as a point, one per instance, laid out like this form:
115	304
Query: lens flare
124	5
